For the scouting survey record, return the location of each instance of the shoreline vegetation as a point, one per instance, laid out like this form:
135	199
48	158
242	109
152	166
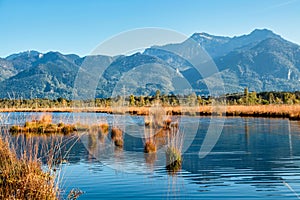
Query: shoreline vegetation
30	166
23	177
291	112
244	104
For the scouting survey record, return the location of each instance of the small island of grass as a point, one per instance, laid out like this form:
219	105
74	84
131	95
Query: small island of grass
43	126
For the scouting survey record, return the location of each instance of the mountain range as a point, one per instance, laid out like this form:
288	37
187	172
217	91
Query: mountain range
261	61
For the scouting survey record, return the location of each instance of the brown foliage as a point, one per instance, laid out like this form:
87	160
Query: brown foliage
150	147
23	178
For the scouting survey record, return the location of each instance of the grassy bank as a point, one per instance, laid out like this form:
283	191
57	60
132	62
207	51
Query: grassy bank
275	111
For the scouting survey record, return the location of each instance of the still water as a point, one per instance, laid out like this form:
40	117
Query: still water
253	158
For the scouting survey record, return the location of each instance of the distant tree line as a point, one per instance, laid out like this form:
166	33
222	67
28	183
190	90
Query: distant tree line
262	98
244	98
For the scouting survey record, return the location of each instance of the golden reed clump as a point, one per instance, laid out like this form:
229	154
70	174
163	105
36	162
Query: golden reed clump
149	147
23	178
117	137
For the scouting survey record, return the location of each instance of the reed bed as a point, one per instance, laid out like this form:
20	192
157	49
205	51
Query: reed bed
22	177
272	110
281	111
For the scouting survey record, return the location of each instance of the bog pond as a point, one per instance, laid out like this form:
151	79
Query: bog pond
222	158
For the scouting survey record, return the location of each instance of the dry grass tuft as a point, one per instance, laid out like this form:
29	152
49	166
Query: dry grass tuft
116	133
23	178
174	150
104	128
117	137
150	147
119	142
174	160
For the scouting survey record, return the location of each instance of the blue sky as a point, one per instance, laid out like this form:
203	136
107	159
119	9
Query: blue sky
79	26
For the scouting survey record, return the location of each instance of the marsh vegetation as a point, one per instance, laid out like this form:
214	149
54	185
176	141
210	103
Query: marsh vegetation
246	103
